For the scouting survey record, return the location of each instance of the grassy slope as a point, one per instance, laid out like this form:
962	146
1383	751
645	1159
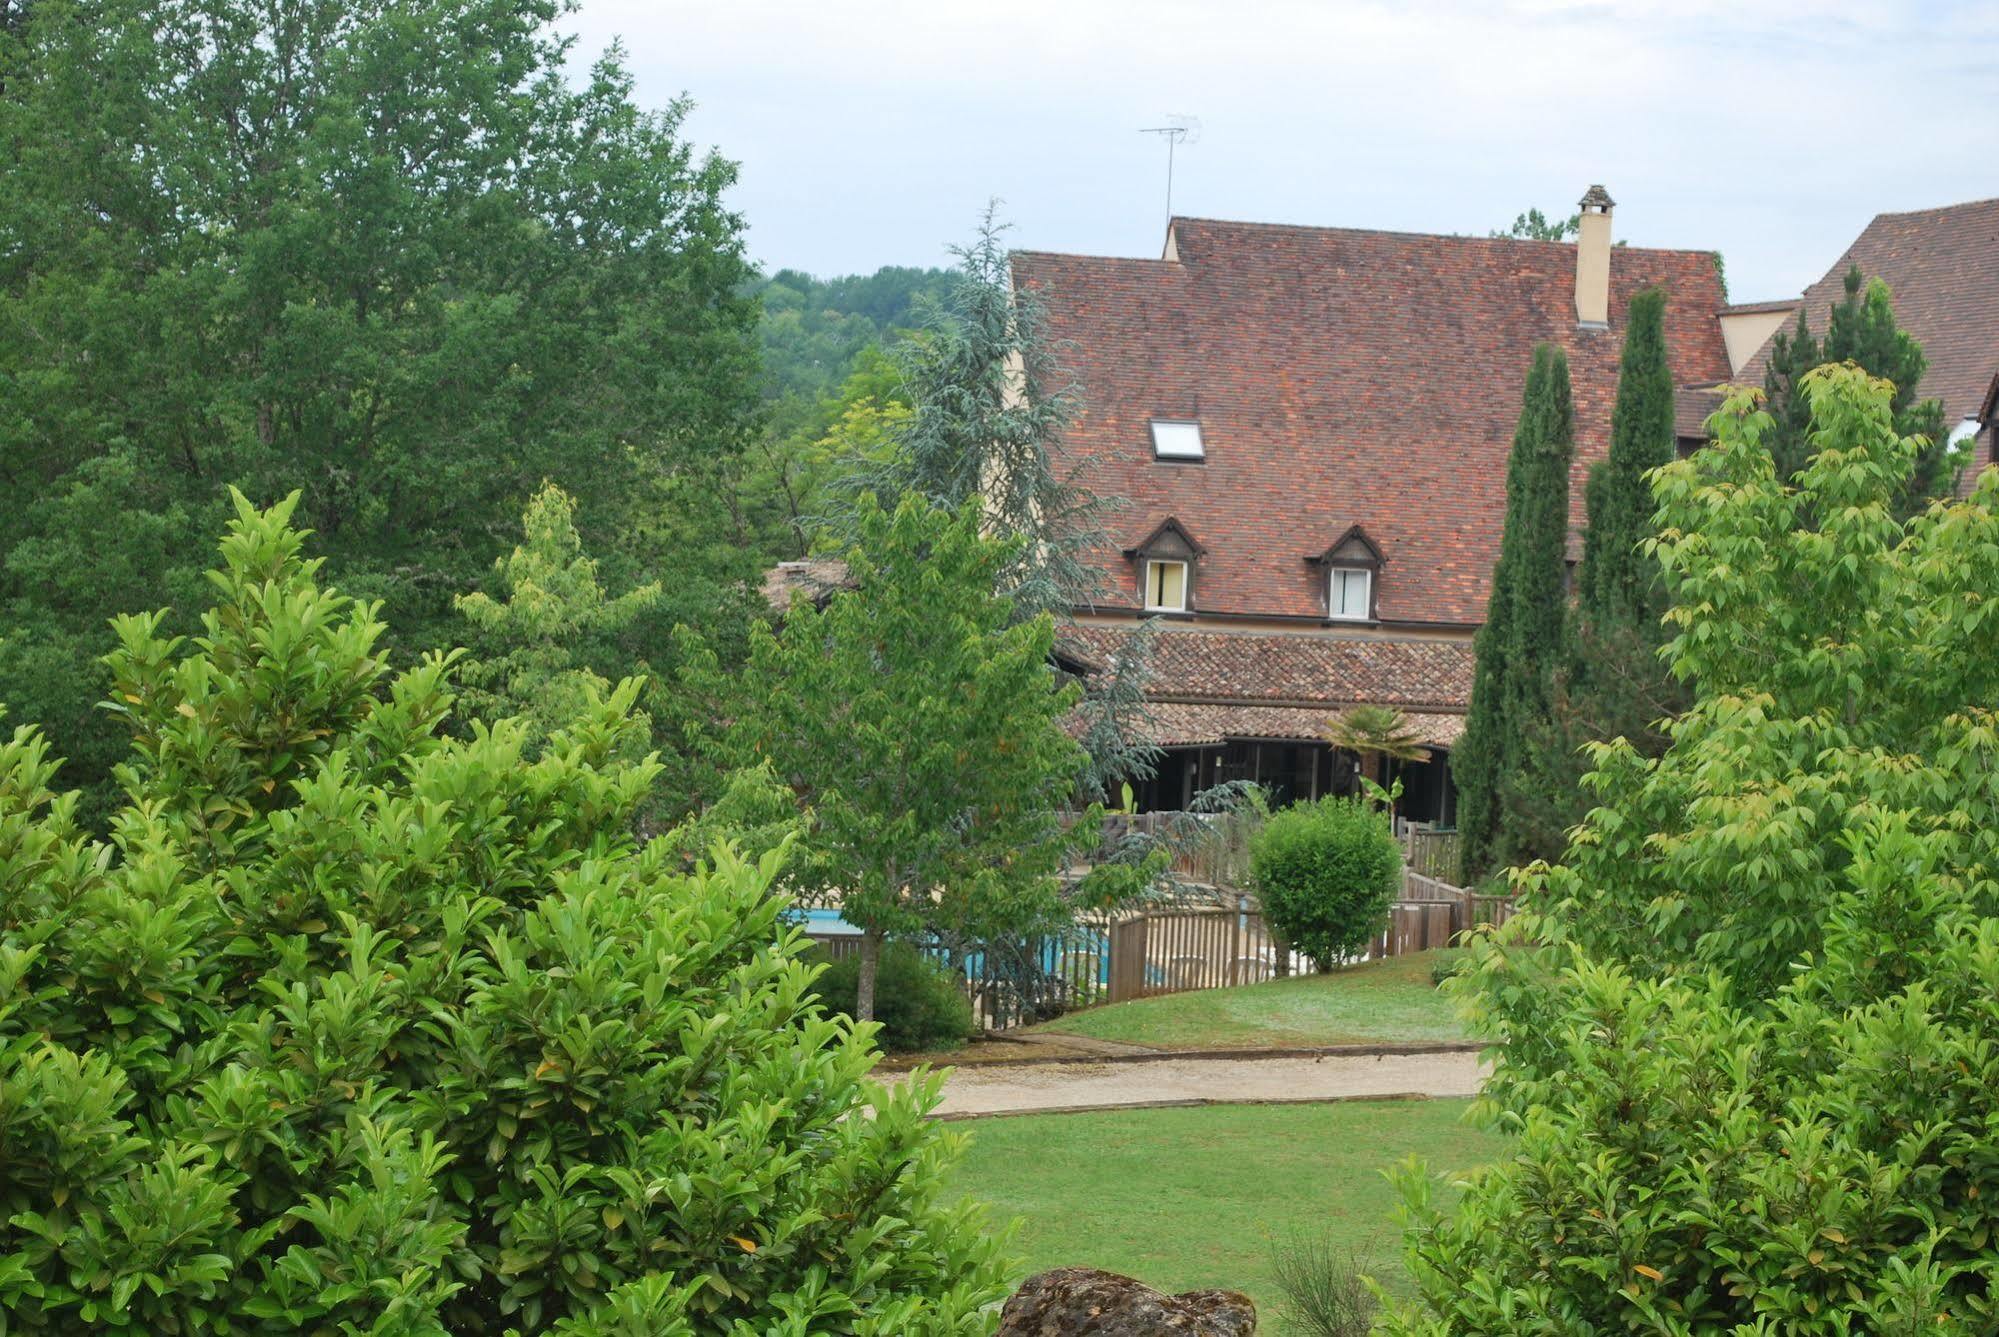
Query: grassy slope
1187	1198
1385	1002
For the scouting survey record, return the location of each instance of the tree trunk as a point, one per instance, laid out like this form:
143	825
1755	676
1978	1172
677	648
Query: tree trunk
864	986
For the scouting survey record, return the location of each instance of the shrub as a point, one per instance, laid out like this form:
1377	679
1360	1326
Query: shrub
921	1005
356	1027
1325	1288
1754	1061
1326	873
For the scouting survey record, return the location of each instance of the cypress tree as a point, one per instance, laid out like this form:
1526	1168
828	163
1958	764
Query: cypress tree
1619	583
1613	683
1516	650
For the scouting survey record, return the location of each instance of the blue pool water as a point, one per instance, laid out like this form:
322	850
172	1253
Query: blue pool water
1083	943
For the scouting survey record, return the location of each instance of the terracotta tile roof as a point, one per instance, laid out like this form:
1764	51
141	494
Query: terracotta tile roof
1340	377
1693	405
1326	673
1182	725
1943	266
818	578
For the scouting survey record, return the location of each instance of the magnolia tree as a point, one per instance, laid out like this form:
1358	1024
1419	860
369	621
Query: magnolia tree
1752	1056
357	1027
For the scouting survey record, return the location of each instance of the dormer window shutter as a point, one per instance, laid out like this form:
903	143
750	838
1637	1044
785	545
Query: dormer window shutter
1165	563
1352	570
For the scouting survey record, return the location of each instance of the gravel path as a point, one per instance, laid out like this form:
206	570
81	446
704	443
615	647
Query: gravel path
1021	1088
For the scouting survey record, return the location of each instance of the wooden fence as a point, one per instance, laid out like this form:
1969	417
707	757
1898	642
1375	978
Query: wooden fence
1163	949
1430	852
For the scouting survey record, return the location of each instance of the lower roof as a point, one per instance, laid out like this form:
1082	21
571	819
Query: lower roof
1178	724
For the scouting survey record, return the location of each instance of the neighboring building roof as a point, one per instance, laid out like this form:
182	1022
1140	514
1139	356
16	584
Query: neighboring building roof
1943	267
1340	377
817	578
1693	405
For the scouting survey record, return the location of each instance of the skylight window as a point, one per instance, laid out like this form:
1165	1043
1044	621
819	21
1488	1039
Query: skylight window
1177	440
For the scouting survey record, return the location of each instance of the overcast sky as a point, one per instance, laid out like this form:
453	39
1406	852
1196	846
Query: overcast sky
872	133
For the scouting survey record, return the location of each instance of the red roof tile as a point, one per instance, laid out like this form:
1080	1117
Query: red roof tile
1182	725
1290	669
1340	377
1943	267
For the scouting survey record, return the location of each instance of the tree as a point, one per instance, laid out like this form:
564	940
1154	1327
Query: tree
989	401
360	1026
1515	652
396	255
1748	1043
1376	731
1861	329
1612	683
917	720
539	648
1325	874
1537	226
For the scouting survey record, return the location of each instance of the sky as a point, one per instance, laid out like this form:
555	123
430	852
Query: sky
873	132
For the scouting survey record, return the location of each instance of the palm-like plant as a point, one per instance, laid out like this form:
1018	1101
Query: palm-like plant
1376	731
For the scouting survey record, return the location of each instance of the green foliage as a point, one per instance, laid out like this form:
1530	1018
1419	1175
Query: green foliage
1612	682
920	1004
358	1027
1752	1061
1325	874
1513	675
1537	226
1860	328
410	258
989	401
1324	1285
916	717
533	653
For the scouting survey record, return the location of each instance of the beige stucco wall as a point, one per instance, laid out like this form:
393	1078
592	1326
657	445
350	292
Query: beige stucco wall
1746	331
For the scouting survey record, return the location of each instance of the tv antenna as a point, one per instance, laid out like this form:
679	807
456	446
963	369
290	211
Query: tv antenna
1178	130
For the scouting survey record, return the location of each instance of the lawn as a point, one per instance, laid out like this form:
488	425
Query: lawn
1187	1198
1392	1001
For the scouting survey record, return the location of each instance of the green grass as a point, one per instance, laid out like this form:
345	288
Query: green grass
1386	1002
1188	1198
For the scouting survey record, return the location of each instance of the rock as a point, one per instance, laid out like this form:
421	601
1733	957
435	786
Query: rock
1085	1302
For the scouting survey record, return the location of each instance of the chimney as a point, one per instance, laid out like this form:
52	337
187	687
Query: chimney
1593	260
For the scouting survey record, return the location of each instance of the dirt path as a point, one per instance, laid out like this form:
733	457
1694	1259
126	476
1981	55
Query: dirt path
1023	1088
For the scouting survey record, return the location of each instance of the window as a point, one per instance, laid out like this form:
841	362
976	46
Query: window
1177	440
1351	596
1166	587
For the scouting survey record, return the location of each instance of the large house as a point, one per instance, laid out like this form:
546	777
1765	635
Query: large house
1942	267
1311	427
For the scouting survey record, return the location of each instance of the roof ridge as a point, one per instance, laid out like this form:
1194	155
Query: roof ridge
1427	236
1937	208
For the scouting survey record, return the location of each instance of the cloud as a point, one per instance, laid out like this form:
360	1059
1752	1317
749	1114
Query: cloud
871	133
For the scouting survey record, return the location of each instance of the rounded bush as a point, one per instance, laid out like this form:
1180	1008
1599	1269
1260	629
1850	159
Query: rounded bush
921	1005
358	1027
1326	873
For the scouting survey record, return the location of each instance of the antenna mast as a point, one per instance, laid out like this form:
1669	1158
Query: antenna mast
1179	130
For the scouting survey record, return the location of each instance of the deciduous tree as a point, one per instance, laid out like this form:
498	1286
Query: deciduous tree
918	721
403	256
1748	1040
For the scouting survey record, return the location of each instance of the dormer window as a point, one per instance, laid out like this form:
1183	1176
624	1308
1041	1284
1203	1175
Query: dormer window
1166	562
1177	440
1351	565
1165	587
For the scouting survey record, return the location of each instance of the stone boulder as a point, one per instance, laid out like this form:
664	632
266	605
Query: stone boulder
1085	1302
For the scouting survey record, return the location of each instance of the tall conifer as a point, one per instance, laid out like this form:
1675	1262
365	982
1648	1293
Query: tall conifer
1612	683
1517	648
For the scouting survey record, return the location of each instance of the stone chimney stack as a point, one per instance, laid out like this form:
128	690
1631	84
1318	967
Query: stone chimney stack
1593	260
